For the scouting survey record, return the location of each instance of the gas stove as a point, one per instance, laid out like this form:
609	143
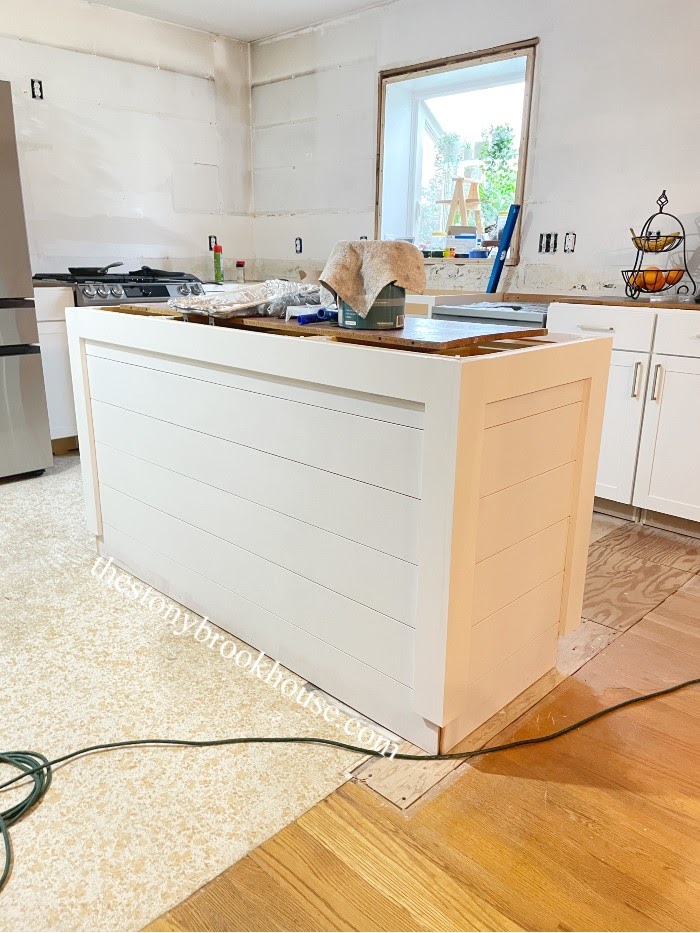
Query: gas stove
143	286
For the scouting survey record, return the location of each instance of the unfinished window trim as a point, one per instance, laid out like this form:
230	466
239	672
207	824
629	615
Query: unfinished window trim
525	48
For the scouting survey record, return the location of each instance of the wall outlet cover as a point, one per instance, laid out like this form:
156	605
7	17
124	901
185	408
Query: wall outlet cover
37	89
548	242
569	242
297	245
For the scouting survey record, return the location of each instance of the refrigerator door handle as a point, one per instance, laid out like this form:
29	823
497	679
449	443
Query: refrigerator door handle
20	350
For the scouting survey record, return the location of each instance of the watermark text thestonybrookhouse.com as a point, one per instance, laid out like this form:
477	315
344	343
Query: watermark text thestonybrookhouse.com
260	667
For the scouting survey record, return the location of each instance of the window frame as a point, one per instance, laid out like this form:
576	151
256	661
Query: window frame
525	48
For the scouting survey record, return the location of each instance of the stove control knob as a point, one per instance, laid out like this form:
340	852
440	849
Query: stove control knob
184	289
196	289
102	291
88	291
117	291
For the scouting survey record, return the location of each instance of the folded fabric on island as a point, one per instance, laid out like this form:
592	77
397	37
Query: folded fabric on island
357	270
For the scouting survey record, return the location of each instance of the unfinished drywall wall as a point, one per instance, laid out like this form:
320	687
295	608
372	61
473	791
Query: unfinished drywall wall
141	146
608	132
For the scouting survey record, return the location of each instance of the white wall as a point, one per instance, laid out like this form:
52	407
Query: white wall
141	146
616	118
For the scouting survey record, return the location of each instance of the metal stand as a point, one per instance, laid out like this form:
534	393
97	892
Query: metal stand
651	241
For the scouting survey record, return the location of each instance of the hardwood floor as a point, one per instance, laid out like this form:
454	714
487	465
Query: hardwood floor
597	830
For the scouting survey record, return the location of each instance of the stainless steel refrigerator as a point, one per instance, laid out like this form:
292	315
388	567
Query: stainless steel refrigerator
25	442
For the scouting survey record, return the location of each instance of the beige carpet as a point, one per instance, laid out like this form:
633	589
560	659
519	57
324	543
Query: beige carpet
123	836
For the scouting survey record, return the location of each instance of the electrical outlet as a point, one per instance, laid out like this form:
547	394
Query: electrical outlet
37	89
569	242
212	242
297	245
548	242
364	237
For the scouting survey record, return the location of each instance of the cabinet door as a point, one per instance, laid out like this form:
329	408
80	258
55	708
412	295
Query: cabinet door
51	302
622	423
668	473
57	379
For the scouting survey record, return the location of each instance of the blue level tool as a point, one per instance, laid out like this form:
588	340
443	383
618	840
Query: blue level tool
503	247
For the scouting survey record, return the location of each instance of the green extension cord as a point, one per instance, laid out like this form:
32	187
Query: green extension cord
39	769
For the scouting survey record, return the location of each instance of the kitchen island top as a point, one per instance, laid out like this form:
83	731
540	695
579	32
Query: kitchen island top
418	333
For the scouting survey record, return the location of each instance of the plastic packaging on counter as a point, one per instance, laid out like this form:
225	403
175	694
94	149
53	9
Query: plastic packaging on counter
269	298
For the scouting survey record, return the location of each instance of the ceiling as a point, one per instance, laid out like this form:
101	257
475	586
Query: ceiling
241	19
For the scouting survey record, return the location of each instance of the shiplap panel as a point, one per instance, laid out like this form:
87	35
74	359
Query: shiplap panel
500	579
367	405
532	403
363	633
360	685
384	454
510	629
370	577
378	518
489	694
515	451
537	502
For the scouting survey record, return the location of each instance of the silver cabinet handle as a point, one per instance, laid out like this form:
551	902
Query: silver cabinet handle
598	328
654	385
635	379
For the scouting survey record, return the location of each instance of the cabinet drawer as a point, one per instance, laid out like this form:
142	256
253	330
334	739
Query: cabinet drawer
631	329
678	333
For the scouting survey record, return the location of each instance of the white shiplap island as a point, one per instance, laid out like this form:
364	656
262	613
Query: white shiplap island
407	531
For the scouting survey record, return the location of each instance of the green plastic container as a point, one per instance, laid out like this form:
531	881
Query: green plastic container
387	312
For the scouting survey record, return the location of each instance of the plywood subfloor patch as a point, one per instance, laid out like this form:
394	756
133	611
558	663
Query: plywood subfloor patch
659	547
603	525
620	589
582	645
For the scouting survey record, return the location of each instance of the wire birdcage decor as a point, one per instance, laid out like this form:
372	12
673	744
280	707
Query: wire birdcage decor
654	239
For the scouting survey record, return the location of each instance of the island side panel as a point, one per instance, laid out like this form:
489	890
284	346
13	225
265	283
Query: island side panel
533	507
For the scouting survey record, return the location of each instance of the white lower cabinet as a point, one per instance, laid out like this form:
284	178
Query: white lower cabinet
51	304
53	341
624	407
650	445
632	333
668	472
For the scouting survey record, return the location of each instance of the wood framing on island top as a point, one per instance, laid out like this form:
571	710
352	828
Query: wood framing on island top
408	531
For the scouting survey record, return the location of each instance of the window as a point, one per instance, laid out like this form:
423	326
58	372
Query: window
462	119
